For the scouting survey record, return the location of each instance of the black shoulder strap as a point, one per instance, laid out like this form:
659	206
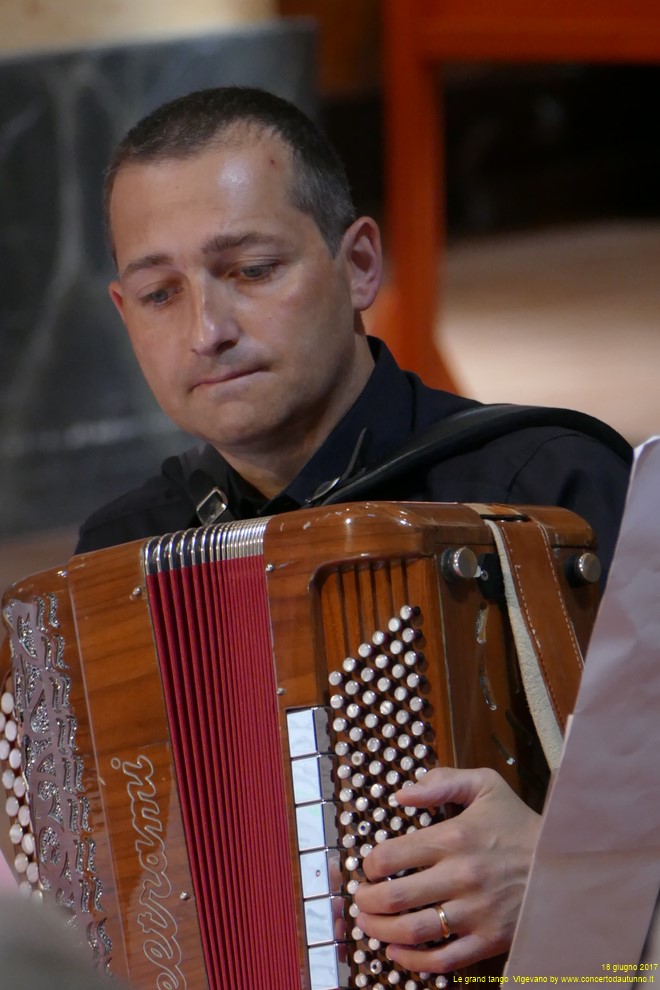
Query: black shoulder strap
468	430
210	501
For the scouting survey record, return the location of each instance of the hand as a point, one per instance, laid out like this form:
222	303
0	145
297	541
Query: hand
475	865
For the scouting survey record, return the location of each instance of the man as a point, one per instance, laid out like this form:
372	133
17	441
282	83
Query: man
242	273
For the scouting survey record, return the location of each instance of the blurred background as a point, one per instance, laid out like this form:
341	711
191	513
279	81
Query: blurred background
512	157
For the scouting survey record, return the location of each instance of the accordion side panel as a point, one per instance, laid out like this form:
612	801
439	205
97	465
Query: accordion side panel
422	667
157	909
72	858
373	564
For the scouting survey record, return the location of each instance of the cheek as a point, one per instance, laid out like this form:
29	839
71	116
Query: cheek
145	339
156	361
316	289
304	316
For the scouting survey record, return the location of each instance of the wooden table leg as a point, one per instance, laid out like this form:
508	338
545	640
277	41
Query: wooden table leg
415	198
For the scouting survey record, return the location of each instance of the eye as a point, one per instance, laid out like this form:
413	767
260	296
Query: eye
257	272
158	297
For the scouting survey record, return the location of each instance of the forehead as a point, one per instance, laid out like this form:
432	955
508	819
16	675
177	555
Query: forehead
230	187
239	162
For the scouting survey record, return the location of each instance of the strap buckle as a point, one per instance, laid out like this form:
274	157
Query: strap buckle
212	506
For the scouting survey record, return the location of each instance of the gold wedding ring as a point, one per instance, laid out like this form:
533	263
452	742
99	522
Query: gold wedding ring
444	924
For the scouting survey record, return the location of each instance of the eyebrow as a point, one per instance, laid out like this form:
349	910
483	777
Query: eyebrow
221	242
148	261
251	238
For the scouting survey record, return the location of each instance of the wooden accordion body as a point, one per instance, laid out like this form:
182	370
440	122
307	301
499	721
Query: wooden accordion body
211	723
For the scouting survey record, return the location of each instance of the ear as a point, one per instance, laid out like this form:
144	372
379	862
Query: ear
364	260
117	296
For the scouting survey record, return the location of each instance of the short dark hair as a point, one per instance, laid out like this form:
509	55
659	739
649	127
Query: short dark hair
192	123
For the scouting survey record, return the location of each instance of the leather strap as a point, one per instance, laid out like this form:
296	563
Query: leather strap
548	650
466	430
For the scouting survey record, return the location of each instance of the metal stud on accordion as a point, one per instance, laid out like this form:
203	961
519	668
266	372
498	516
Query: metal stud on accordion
350	759
373	739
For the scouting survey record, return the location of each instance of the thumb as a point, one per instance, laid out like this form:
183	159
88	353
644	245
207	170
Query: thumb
445	785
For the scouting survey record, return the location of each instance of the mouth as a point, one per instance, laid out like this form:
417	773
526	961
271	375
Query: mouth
224	377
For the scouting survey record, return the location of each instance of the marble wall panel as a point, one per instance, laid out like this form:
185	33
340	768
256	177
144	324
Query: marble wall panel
77	424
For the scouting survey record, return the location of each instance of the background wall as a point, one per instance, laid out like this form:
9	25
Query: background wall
30	25
78	425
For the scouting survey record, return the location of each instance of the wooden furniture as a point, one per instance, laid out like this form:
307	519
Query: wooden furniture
348	49
420	36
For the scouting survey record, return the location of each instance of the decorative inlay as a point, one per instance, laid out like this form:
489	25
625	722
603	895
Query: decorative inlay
55	806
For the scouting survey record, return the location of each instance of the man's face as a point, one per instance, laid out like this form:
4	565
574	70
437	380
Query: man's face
241	319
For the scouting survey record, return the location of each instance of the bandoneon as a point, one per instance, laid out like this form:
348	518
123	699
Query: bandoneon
203	732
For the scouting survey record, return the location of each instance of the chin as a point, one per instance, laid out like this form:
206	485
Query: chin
233	440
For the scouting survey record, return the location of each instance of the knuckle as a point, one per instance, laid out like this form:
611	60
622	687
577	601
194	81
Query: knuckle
490	777
469	875
458	836
472	875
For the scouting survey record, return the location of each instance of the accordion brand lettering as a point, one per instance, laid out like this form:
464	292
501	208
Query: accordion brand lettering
161	946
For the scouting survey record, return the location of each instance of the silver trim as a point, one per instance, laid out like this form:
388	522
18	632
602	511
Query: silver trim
326	971
312	778
206	544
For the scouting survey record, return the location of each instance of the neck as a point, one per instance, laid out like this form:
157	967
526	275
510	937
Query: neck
272	462
268	478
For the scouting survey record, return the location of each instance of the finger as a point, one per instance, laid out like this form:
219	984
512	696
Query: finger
406	893
446	785
419	849
338	918
444	958
413	928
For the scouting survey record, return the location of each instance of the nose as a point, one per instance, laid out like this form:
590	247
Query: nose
214	325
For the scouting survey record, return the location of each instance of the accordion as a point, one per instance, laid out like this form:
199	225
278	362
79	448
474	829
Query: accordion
203	732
